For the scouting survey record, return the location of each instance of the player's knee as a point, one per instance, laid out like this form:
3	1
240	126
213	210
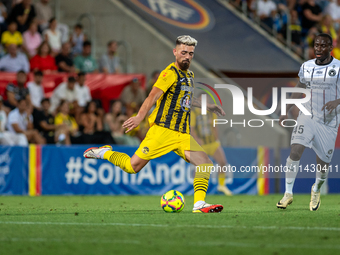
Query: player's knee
295	153
206	159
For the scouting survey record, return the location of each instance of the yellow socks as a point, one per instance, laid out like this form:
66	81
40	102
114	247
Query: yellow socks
221	179
120	159
201	181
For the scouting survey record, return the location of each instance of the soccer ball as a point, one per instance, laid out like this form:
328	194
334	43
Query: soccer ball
172	201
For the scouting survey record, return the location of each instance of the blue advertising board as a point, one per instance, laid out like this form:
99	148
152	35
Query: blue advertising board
13	170
65	171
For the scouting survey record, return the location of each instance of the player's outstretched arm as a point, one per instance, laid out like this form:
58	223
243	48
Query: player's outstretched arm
293	96
134	122
210	107
331	105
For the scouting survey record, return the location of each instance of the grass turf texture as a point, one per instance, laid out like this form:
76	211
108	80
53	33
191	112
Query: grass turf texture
137	225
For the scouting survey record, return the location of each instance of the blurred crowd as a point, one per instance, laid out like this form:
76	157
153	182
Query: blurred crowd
307	18
70	115
32	40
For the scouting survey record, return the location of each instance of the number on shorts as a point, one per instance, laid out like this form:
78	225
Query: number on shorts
298	129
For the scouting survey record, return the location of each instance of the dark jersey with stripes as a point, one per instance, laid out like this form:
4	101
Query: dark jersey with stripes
173	107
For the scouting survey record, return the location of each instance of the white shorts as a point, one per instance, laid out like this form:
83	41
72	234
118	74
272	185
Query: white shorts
312	134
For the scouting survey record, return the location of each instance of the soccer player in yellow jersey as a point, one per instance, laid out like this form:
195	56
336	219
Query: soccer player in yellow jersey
206	135
169	125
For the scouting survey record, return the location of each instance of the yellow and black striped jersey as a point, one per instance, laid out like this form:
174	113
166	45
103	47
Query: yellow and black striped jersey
203	125
173	107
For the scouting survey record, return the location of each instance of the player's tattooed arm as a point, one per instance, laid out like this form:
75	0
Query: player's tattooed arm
134	122
196	102
210	107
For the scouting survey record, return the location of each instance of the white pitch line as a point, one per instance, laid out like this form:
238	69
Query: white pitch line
60	240
267	245
166	225
136	242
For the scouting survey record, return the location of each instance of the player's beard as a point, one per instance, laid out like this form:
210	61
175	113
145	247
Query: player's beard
184	65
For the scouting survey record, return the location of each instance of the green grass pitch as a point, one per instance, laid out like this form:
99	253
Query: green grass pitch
137	225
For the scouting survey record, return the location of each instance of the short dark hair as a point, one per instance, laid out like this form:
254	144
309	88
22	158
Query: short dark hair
21	71
51	20
87	43
324	35
21	99
80	26
111	42
42	45
71	79
45	100
38	73
81	74
12	23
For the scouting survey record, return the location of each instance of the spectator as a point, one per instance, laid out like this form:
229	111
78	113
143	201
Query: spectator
44	123
3	16
63	59
43	61
14	61
92	127
16	92
295	29
66	91
23	14
20	122
333	9
6	137
109	62
83	91
12	36
64	121
326	26
111	118
85	62
154	77
32	40
312	33
36	90
336	50
113	122
266	10
77	40
133	93
53	36
44	13
311	15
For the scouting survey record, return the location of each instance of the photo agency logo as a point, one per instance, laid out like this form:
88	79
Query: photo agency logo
238	106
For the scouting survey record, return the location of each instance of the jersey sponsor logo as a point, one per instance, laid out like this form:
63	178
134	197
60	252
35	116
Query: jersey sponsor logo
187	88
145	150
181	13
319	72
186	103
332	72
